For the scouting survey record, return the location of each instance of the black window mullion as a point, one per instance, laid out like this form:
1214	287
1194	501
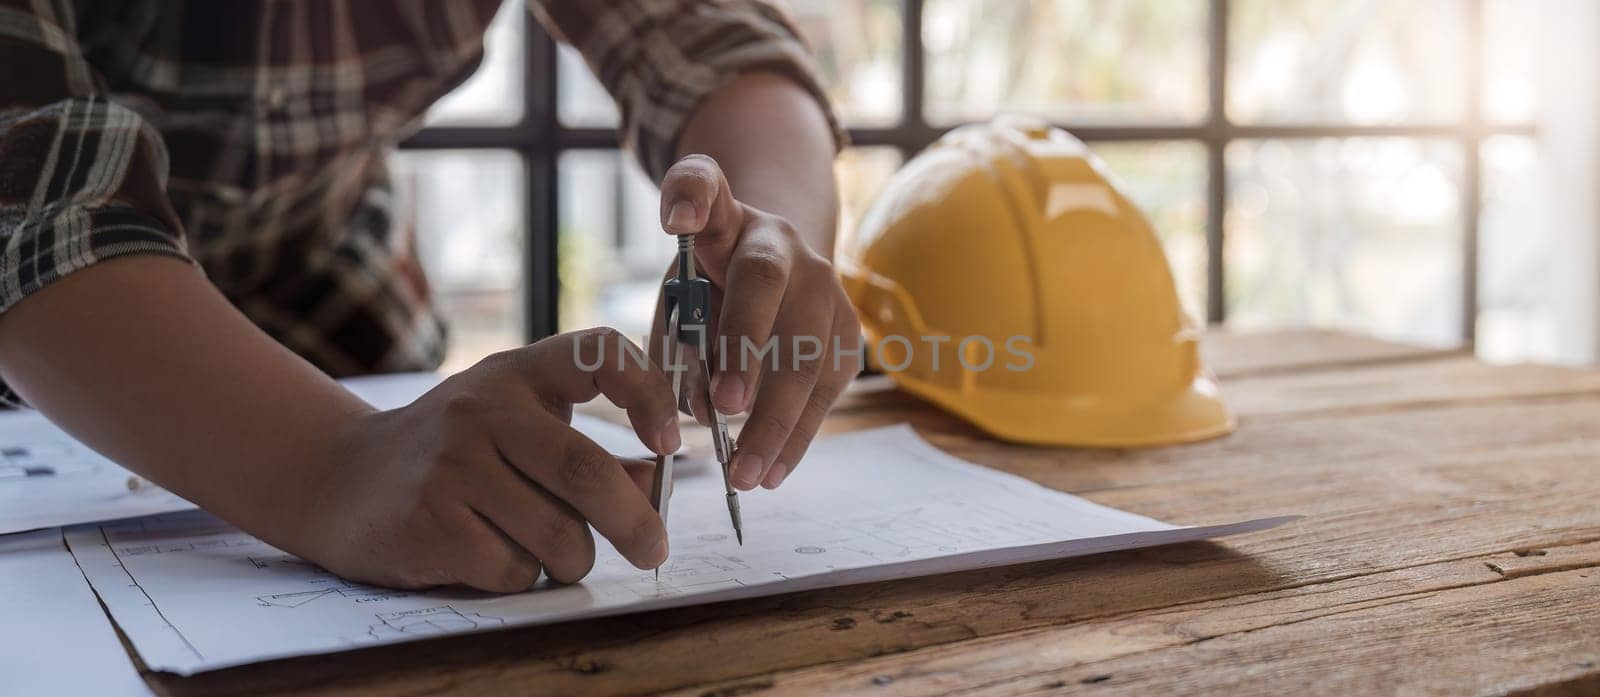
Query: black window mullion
1216	133
913	132
541	273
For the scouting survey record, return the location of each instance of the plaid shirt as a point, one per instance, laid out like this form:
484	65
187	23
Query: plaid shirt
250	136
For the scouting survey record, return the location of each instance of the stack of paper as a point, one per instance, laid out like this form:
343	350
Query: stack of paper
55	640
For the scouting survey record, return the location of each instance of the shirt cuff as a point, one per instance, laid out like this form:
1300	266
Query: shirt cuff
51	247
752	36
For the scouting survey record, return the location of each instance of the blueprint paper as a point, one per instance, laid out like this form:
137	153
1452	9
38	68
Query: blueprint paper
83	486
866	506
57	641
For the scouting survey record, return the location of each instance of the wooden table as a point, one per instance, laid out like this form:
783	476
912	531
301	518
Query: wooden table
1452	545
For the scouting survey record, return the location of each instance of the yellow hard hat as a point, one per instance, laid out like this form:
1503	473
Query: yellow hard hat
1007	241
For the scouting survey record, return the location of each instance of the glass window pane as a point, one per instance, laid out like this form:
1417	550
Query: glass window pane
469	214
1510	61
1363	234
1333	61
582	102
862	173
493	95
612	251
1520	309
1167	180
859	50
1067	60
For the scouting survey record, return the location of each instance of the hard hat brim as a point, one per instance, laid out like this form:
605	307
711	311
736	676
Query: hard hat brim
1196	413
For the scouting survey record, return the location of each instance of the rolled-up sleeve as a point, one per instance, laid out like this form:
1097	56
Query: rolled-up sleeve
661	58
82	178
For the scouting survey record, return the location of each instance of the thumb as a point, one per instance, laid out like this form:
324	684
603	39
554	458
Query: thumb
697	200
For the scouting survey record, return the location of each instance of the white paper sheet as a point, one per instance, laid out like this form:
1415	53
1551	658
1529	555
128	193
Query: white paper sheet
195	595
56	639
82	485
48	479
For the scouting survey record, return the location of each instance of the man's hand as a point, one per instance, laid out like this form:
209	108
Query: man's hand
483	482
768	285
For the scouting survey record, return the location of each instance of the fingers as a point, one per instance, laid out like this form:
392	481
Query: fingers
592	481
758	275
800	437
836	376
579	366
642	472
785	392
543	525
486	559
696	200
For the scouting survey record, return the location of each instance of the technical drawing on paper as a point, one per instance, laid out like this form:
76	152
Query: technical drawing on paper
351	591
874	505
320	583
433	620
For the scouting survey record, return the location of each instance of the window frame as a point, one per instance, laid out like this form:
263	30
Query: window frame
540	139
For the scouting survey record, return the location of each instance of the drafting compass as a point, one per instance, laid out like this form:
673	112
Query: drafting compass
688	314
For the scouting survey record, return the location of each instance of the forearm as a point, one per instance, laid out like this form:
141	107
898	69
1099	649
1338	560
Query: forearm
774	144
142	359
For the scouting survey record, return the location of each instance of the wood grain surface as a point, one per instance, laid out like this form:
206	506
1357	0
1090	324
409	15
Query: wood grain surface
1451	546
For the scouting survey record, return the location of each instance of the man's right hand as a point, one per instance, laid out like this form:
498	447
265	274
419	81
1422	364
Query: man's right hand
483	482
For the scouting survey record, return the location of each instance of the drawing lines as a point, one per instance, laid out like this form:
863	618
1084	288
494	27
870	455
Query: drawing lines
355	592
442	619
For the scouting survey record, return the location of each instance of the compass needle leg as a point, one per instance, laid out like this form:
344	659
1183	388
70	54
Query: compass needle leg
688	306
